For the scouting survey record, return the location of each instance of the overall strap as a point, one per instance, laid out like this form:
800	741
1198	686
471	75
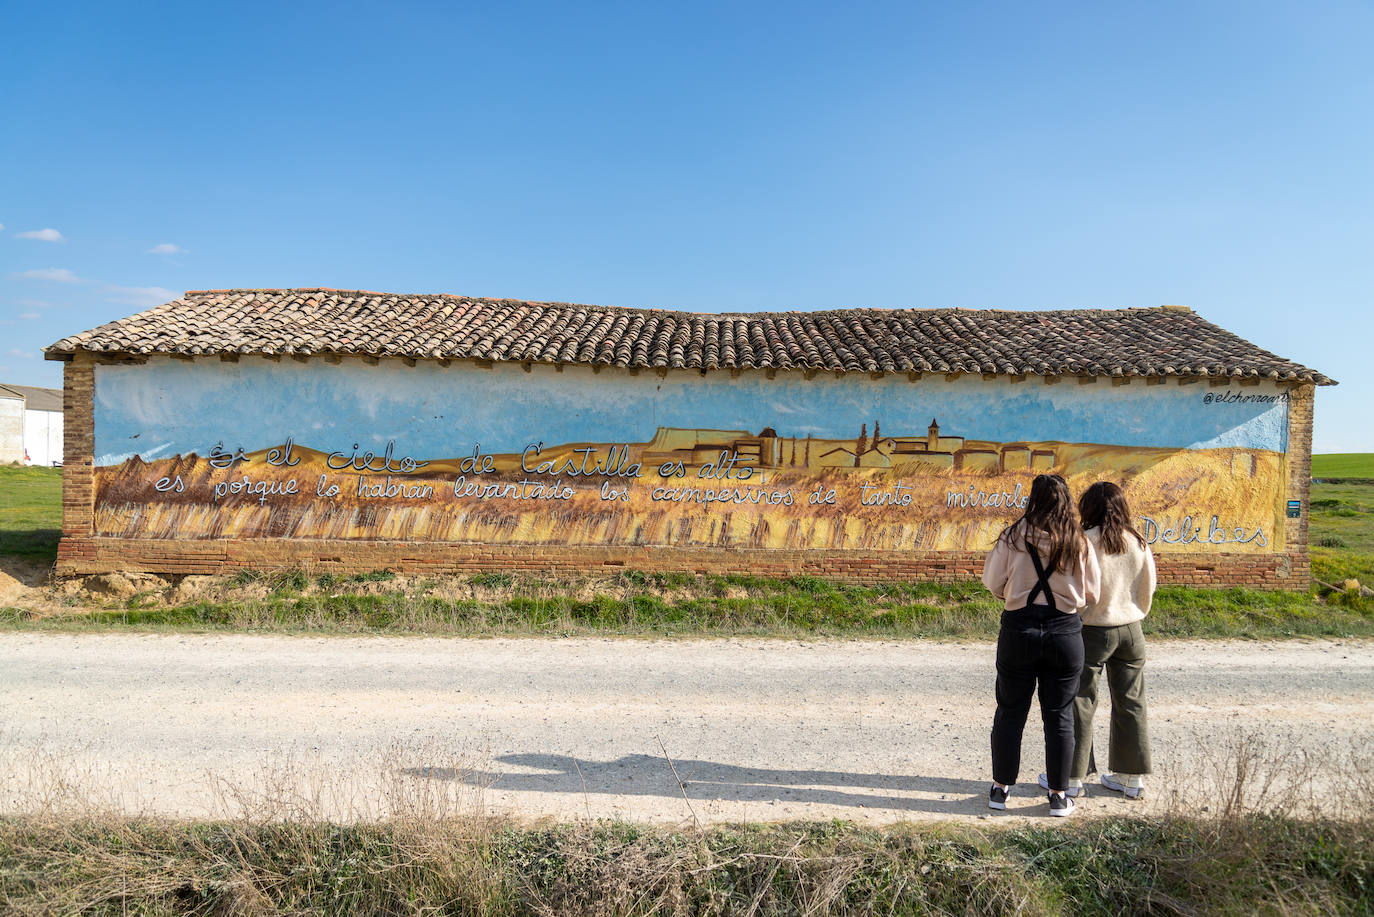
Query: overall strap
1042	580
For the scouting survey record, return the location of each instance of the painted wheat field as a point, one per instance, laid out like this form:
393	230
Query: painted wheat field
1216	499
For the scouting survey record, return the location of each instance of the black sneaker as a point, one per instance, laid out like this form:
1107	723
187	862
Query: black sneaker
1061	806
997	797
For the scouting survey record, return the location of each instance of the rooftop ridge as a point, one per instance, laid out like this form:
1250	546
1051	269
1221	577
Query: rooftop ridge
458	297
1153	341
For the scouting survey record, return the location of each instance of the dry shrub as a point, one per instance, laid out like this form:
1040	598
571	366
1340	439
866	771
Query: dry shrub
1243	771
1268	823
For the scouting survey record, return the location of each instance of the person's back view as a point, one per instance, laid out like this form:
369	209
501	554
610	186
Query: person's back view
1043	570
1113	639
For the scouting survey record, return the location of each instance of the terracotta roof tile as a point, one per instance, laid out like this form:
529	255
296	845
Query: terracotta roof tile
1166	341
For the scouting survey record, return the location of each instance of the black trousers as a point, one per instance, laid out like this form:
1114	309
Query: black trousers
1038	649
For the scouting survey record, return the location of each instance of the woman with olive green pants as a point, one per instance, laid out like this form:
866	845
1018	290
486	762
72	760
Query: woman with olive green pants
1113	640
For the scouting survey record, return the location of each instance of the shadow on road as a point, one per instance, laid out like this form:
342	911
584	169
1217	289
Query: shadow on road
652	775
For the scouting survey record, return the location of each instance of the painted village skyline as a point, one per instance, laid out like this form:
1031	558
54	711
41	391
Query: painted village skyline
177	408
932	450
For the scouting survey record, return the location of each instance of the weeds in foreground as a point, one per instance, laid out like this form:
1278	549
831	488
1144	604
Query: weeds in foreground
1263	850
1246	865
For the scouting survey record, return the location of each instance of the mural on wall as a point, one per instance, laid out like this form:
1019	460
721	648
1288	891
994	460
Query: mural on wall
505	456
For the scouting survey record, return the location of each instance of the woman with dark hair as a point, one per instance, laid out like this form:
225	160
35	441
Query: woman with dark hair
1044	571
1112	637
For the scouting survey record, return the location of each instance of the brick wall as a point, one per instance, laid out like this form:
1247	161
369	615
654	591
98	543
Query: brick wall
1299	482
80	552
78	448
100	555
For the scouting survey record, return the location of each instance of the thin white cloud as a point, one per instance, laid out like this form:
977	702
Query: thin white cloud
2	226
30	316
142	297
120	458
55	274
42	235
16	352
166	248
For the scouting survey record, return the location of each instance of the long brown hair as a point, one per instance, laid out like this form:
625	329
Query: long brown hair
1103	506
1049	510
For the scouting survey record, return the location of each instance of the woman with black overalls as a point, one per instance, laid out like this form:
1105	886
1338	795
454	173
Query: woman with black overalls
1044	571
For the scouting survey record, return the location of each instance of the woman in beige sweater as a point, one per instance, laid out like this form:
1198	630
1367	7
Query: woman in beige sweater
1113	638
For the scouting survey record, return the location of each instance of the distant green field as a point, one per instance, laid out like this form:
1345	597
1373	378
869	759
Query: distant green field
30	512
1343	465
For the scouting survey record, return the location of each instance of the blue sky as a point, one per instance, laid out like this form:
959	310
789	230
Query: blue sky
701	156
171	406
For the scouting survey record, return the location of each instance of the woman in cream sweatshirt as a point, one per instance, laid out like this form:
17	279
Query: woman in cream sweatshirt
1112	638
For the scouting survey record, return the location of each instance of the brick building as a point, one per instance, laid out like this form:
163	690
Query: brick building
337	430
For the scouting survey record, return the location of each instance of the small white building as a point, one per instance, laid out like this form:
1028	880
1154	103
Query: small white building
30	425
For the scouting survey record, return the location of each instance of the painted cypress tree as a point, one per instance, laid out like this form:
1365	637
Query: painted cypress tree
861	446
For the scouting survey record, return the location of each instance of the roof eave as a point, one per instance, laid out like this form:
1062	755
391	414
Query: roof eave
66	354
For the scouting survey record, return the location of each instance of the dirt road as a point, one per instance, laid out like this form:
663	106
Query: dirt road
651	730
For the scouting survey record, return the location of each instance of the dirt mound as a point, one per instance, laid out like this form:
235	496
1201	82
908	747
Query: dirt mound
10	587
194	589
123	585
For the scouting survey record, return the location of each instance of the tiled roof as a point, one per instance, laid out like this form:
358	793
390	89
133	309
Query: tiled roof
1168	341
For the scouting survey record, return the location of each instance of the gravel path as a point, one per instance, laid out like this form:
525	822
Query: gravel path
755	729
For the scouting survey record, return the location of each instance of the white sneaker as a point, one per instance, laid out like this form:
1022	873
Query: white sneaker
1111	782
1074	791
997	797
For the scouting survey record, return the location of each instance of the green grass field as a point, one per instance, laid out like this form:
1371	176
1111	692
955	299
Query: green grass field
30	512
1344	465
1341	533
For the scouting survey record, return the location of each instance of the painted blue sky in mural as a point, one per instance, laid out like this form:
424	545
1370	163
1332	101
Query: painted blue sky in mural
165	407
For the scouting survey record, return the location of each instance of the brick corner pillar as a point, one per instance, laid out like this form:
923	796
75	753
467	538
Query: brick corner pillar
1295	545
76	549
